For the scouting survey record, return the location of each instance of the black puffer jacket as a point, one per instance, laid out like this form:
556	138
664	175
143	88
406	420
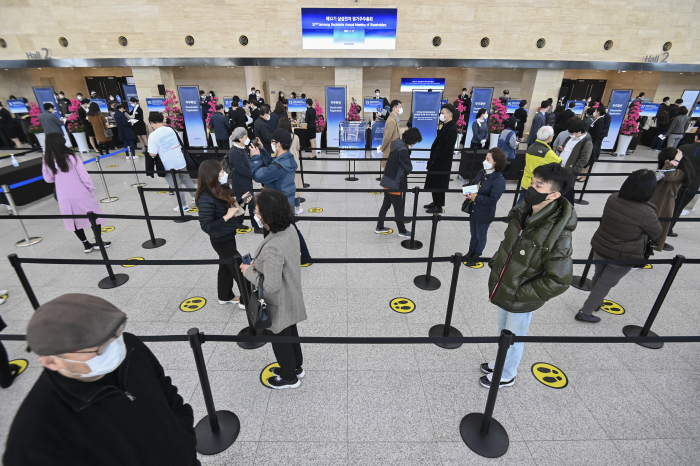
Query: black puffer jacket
211	218
625	228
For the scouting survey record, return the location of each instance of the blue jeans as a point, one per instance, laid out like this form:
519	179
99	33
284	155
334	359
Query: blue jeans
132	144
518	323
479	230
657	143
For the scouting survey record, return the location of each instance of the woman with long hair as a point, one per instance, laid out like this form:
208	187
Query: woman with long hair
75	192
99	125
216	210
280	111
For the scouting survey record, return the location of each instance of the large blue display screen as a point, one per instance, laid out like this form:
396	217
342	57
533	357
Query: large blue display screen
348	28
422	84
649	110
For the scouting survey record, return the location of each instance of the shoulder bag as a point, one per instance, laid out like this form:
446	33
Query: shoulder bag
107	131
257	309
192	163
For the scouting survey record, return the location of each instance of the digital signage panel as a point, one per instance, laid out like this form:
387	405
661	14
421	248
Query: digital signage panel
348	28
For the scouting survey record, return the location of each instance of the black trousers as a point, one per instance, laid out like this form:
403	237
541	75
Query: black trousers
397	203
223	144
288	355
227	272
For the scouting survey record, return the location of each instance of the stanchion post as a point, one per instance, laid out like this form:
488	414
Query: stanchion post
183	218
28	240
17	265
217	430
447	330
133	165
636	330
428	282
112	280
412	243
250	329
517	188
381	169
153	242
109	198
350	176
484	435
581	282
580	200
301	169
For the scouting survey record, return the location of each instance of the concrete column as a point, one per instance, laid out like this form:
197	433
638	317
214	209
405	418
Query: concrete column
147	78
539	85
352	78
256	76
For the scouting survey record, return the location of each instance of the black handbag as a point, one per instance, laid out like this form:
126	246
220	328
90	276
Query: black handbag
192	162
257	308
649	248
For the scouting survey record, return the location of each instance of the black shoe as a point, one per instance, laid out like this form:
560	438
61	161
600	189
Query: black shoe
429	206
586	318
299	372
485	382
258	230
486	367
277	383
405	234
668	247
107	244
672	234
8	379
378	179
435	210
88	246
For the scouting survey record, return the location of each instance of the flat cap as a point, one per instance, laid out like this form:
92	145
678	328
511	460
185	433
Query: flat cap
239	133
72	322
282	136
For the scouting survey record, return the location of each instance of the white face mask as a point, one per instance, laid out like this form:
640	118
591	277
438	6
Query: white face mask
274	151
258	220
111	98
106	362
246	142
377	94
281	95
223	179
257	94
487	165
401	111
442	117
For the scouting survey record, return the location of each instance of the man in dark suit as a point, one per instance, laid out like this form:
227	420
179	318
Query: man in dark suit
564	117
606	121
538	122
251	96
236	114
441	153
261	130
664	106
385	102
254	111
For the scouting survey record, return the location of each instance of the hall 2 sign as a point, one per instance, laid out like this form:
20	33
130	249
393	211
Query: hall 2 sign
655	58
37	55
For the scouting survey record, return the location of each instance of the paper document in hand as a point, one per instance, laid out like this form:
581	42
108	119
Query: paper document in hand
471	189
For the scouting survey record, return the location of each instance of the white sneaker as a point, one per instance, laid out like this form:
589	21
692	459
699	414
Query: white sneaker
686	212
233	301
185	208
128	157
298	211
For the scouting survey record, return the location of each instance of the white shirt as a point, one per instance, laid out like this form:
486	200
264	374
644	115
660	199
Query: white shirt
566	153
163	142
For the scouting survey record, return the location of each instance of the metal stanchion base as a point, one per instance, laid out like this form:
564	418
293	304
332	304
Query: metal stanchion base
119	279
493	445
136	185
23	243
210	443
252	344
407	244
428	283
576	283
307	185
107	200
636	331
581	202
152	245
351	178
439	330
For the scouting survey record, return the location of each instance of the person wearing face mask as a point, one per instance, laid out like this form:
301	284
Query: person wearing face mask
259	98
480	129
482	206
251	96
222	127
242	176
539	153
538	122
237	114
391	130
441	153
398	167
110	98
385	102
576	151
100	395
520	114
533	263
209	97
140	124
94	95
79	97
82	118
254	111
295	148
261	129
310	118
63	103
217	209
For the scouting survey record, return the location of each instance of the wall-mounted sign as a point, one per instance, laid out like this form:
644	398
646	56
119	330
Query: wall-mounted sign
422	84
349	28
37	55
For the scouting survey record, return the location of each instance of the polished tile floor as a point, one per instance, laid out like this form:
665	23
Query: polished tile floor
388	404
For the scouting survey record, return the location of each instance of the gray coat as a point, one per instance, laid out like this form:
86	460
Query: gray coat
277	260
50	122
678	125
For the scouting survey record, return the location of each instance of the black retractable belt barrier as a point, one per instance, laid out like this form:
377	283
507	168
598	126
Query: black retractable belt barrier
14	260
447	330
113	280
217	430
351	176
153	242
245	297
636	330
581	282
427	282
484	435
183	218
517	188
580	200
412	243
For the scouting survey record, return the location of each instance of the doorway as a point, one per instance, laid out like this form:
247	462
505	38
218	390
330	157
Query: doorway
582	89
106	86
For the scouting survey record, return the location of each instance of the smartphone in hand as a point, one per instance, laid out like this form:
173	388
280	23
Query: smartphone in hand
246	259
246	198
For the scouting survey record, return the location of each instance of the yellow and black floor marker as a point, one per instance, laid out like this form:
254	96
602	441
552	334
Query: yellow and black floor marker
133	259
402	305
266	374
315	210
106	229
611	307
22	363
549	375
193	304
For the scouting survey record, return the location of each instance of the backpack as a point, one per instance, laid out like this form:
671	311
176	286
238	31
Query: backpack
504	143
662	119
226	166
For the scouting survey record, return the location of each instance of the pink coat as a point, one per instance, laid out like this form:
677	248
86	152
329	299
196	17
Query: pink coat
75	193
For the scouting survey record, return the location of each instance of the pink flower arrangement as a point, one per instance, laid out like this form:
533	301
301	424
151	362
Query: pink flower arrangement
212	110
320	121
595	105
498	117
354	112
461	124
630	126
72	123
173	111
34	112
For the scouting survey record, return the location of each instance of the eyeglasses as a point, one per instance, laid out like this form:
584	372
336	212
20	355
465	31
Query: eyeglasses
101	349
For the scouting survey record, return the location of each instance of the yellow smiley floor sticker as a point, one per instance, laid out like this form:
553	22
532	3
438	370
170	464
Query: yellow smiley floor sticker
266	374
243	231
112	166
387	232
375	193
315	210
549	375
133	259
163	192
194	209
402	305
612	307
308	264
4	297
22	363
476	265
193	304
648	266
107	229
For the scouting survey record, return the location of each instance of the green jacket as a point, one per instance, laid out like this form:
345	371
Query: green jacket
533	265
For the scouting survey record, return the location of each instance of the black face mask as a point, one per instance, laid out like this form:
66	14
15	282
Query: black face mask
534	197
